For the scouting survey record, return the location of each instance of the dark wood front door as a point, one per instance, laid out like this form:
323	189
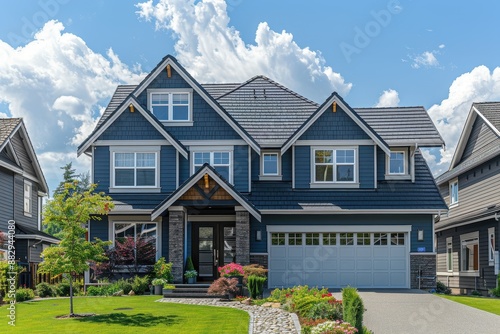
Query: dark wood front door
214	245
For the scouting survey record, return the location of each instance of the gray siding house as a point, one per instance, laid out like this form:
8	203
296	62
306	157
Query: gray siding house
467	237
22	187
320	193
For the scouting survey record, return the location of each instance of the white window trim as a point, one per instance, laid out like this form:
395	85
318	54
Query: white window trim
28	198
170	91
397	176
451	183
449	244
134	149
130	220
212	150
334	183
463	240
491	246
270	177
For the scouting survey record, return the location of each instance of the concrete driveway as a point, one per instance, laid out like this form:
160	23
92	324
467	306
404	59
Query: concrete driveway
415	311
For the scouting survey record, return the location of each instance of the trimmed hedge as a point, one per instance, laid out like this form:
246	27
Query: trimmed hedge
353	308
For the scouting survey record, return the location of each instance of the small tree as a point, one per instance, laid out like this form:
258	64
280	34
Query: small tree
69	211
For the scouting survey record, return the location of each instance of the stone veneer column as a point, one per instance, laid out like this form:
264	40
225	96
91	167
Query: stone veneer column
242	236
427	264
176	242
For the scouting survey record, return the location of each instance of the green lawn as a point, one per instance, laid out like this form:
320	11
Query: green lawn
491	305
136	314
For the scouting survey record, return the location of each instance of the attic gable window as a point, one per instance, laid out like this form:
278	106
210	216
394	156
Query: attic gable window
397	165
171	105
270	166
28	192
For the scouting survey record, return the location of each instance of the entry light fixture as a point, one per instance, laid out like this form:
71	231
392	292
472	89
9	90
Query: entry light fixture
420	236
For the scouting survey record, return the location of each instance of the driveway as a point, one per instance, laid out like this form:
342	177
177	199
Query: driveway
415	311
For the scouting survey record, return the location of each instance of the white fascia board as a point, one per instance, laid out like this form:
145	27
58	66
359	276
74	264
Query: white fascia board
13	151
10	136
160	68
110	120
322	211
156	213
493	128
7	166
334	142
37	237
327	105
337	228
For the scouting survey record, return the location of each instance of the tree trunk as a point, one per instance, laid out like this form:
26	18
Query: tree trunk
71	295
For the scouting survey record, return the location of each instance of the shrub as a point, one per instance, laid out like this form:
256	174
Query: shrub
256	286
24	294
158	281
140	284
62	289
223	286
96	291
162	269
496	291
353	307
45	290
442	288
334	327
189	264
331	310
231	269
122	284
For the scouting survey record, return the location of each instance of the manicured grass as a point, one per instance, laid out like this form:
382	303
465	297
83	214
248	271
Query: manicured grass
491	305
135	314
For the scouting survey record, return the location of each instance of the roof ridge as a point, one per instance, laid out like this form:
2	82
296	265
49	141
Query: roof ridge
403	107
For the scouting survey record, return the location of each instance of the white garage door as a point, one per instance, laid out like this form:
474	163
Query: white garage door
338	259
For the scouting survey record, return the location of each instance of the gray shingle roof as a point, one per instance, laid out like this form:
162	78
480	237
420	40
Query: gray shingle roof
268	111
402	125
490	110
420	195
120	94
218	89
7	125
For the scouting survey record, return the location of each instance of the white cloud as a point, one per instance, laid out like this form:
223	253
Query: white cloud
389	98
426	59
59	86
213	51
442	46
478	85
3	115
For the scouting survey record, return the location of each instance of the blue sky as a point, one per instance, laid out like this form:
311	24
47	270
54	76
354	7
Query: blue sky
60	60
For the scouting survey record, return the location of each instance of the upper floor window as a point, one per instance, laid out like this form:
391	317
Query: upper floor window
171	106
454	192
135	167
270	166
220	160
28	192
334	165
397	163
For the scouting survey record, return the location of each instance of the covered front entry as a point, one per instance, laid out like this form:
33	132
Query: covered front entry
213	245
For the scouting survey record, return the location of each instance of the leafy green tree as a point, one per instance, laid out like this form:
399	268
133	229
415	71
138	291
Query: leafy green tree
69	211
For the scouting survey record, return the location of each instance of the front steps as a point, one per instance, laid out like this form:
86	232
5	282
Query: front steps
190	291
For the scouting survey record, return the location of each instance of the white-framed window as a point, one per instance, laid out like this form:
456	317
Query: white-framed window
397	163
28	201
491	246
135	167
454	192
469	252
174	105
220	160
270	164
334	165
138	241
449	254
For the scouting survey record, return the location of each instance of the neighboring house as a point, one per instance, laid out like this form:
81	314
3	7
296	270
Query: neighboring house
22	187
467	237
322	195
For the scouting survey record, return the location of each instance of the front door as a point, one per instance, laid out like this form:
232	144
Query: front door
214	245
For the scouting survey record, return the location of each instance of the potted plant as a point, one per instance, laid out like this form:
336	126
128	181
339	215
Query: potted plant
256	286
224	286
190	273
158	284
168	288
232	270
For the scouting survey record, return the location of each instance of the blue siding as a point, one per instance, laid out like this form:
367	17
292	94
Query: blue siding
381	157
6	198
334	126
286	165
131	126
101	161
257	246
208	125
240	170
417	221
366	167
302	166
99	229
255	166
167	168
184	172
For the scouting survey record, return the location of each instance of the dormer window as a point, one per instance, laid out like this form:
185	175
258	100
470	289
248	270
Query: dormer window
397	166
172	106
270	166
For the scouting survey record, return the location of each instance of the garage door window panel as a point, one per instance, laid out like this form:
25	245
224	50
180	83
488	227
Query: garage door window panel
295	239
312	239
329	239
346	239
363	239
380	239
397	239
278	239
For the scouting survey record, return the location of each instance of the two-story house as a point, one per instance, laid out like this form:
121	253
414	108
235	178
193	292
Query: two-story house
467	237
320	194
22	187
